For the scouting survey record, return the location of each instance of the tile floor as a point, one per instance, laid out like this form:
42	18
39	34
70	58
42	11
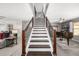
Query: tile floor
62	49
11	51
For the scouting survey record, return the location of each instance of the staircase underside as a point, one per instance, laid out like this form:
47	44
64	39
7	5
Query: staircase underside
39	42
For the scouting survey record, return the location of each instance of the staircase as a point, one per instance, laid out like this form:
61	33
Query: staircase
39	43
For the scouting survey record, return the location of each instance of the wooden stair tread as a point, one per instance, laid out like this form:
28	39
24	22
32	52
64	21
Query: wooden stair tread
39	33
39	40
39	53
39	46
39	36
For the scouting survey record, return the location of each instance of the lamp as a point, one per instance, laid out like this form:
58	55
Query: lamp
14	31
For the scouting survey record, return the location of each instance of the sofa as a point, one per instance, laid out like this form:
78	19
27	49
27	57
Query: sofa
6	39
3	42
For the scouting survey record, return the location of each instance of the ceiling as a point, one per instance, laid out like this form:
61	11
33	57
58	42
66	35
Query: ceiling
24	11
66	11
16	11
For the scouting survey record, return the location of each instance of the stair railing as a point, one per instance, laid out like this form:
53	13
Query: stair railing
25	32
52	33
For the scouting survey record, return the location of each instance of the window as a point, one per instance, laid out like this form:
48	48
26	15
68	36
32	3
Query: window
76	28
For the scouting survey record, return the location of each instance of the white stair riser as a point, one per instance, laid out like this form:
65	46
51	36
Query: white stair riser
39	43
39	49
39	39
39	34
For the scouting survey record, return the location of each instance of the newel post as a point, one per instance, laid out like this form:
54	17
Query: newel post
23	44
54	43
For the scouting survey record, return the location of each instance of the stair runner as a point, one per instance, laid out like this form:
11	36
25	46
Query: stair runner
39	43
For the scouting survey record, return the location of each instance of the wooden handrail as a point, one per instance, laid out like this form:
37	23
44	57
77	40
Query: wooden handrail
48	22
23	38
26	27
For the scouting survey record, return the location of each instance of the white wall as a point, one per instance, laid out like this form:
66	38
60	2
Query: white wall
3	27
